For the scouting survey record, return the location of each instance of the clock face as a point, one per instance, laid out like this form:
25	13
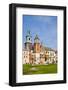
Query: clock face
28	39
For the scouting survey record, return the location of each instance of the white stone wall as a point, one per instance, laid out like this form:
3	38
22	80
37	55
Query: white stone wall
37	58
52	57
25	57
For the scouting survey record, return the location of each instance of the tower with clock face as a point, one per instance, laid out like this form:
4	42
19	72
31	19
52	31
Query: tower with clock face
28	43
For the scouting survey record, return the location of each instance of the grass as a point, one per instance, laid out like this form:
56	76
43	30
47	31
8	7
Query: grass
39	69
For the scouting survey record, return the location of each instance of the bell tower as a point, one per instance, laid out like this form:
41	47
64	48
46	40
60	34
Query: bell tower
28	43
28	37
36	44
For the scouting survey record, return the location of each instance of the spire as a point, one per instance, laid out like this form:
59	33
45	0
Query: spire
28	33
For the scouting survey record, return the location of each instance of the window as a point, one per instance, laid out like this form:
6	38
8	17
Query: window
46	51
29	38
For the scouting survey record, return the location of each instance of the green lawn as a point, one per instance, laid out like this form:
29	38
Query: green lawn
28	69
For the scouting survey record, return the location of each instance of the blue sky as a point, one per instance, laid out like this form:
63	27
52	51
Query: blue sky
44	26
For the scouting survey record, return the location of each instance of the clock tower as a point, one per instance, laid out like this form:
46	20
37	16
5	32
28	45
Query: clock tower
28	43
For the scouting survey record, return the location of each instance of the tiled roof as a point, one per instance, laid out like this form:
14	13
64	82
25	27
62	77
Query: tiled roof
50	49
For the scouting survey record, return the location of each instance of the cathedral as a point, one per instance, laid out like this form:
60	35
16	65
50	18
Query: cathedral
36	53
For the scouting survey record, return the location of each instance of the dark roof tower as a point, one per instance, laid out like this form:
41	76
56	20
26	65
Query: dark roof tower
37	47
36	39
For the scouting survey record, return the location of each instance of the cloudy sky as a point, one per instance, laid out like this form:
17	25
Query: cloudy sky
44	26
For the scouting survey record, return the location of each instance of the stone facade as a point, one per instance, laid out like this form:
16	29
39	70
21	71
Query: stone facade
36	53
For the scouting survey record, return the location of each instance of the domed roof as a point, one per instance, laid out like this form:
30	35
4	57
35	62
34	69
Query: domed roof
36	37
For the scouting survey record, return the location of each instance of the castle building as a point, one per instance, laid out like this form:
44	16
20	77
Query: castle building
42	58
37	53
25	57
51	55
